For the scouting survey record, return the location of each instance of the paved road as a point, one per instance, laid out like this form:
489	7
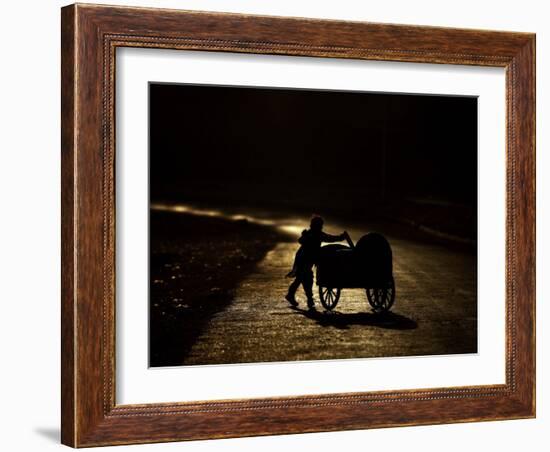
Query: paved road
434	313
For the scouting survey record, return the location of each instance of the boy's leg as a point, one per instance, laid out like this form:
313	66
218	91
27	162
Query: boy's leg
291	295
307	284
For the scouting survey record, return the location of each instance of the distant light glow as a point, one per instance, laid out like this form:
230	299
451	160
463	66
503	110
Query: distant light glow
292	229
291	226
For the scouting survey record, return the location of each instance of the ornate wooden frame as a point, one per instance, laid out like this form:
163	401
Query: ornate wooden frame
90	35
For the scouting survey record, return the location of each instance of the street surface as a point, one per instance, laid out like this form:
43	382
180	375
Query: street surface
434	311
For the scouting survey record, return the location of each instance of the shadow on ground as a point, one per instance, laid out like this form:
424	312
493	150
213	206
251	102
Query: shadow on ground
339	320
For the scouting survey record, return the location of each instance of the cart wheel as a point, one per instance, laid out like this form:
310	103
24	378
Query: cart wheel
329	297
381	298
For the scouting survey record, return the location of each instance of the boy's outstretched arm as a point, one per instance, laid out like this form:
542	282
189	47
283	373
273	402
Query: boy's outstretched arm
329	238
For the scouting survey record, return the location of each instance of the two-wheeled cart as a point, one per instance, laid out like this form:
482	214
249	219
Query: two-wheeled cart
366	265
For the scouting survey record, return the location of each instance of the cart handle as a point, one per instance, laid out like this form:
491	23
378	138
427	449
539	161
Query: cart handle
348	239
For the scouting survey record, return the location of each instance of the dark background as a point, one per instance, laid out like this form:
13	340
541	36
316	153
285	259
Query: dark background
285	149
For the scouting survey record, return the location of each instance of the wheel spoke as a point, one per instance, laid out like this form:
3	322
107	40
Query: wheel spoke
384	298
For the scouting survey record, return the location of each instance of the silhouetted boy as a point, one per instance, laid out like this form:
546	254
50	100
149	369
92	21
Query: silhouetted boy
306	257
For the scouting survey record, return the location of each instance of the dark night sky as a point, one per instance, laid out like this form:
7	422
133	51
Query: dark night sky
300	148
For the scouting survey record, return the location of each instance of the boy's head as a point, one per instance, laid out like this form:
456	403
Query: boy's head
316	223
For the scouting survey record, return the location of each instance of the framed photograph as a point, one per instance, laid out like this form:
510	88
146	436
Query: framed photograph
281	225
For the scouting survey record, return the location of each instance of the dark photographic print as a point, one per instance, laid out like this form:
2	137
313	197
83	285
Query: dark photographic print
297	225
